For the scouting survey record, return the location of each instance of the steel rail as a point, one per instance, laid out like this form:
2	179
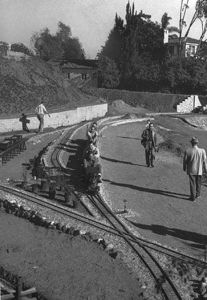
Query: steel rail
55	160
151	245
39	200
56	207
167	287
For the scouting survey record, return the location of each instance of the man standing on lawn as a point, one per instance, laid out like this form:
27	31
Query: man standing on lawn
194	162
41	111
149	142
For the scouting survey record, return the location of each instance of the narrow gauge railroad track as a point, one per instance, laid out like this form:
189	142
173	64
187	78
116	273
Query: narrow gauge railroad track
100	225
56	207
55	159
167	288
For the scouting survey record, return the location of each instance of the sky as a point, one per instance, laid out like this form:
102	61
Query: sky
89	20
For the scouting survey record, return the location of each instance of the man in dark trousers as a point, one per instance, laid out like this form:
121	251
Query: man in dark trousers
194	162
24	121
149	141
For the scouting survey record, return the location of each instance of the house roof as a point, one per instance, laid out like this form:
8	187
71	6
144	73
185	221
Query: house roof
175	40
70	65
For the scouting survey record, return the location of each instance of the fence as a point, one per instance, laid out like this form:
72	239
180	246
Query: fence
10	147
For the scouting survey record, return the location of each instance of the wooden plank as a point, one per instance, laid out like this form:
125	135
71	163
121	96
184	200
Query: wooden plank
8	297
6	286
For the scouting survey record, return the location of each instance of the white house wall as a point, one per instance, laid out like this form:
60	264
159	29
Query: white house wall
57	119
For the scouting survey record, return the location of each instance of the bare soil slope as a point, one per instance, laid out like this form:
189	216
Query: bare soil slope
24	83
119	107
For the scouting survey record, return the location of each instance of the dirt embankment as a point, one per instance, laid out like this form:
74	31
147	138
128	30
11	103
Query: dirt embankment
24	83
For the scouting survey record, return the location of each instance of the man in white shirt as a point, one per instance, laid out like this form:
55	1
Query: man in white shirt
40	111
194	162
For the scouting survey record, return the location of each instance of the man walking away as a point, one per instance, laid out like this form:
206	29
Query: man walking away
40	111
149	141
194	162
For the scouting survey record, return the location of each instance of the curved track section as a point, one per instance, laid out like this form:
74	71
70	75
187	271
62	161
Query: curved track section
162	281
115	226
56	161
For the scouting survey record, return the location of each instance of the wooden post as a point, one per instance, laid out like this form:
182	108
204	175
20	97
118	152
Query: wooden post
193	102
19	289
125	205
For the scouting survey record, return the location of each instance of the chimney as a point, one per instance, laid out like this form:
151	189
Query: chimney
166	36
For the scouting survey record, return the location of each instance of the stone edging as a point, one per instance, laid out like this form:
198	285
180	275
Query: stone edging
33	216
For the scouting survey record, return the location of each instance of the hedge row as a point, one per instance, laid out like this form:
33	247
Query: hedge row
157	102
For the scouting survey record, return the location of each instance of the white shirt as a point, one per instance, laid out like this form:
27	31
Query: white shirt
40	109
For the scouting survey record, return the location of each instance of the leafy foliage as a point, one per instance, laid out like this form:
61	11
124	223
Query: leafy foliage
165	21
137	48
113	46
19	47
59	46
187	76
108	73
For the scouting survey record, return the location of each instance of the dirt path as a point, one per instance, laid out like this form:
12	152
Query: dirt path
157	197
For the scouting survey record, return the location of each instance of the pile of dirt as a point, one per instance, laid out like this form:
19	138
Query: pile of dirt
24	83
120	107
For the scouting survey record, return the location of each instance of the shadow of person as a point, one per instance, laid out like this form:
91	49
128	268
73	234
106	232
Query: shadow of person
129	138
148	190
200	240
74	164
121	161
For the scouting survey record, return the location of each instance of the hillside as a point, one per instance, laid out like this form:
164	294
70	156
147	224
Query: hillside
26	82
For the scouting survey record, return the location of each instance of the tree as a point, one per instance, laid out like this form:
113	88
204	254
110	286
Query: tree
63	33
165	21
73	49
108	73
200	13
113	45
141	38
59	46
46	45
19	47
135	47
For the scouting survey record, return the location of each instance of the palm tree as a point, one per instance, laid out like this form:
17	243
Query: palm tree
165	21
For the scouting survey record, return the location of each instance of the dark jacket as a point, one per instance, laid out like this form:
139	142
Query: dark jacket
149	139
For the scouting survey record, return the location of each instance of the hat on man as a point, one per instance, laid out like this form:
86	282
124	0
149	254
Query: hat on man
194	140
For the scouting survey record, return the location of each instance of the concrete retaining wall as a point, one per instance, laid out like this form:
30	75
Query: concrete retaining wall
188	104
63	118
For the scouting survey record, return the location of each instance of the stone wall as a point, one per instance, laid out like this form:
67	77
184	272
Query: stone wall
57	119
